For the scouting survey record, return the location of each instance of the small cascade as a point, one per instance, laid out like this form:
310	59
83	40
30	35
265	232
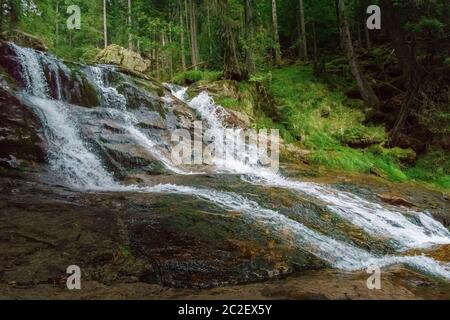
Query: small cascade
67	154
112	99
32	71
408	230
338	254
56	69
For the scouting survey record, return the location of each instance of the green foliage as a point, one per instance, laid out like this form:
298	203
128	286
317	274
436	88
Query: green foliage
228	102
447	61
433	167
307	111
324	121
193	76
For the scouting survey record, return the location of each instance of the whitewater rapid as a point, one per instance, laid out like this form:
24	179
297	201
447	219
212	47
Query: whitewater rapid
410	229
71	158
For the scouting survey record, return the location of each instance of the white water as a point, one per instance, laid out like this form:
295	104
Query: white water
338	254
67	153
116	101
70	157
385	222
32	71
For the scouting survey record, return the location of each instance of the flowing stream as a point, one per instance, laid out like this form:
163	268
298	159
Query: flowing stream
71	157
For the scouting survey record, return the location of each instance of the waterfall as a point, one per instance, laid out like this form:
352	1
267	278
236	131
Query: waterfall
67	154
70	157
113	99
32	71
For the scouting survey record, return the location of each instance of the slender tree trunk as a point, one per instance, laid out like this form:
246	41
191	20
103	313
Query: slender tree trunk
56	24
303	31
299	35
358	30
276	34
315	41
231	65
183	47
364	87
338	19
130	37
248	29
170	51
105	27
408	62
364	5
367	34
197	49
208	13
193	28
186	11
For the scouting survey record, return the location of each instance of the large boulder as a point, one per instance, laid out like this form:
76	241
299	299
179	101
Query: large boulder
125	58
24	39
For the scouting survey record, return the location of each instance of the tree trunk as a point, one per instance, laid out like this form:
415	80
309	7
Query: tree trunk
105	27
183	54
193	29
130	38
231	65
57	24
364	87
408	62
315	41
366	31
208	13
276	35
248	29
188	29
303	31
363	5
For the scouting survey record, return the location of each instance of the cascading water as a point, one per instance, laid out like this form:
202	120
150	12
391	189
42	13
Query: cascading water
67	153
32	71
114	100
409	230
70	157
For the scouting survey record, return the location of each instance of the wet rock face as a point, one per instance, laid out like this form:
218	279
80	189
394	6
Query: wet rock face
75	88
8	61
233	251
19	129
174	241
139	98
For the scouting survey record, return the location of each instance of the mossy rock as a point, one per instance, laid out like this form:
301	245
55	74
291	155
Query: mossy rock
361	137
24	39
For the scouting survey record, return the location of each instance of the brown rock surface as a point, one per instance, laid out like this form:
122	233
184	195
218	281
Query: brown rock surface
125	58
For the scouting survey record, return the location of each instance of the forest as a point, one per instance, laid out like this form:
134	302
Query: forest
354	96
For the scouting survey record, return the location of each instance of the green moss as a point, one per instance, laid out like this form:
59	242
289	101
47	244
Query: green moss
228	102
328	123
193	76
362	136
125	251
434	167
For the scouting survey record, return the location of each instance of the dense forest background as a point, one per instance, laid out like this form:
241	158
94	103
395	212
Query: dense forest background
362	100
